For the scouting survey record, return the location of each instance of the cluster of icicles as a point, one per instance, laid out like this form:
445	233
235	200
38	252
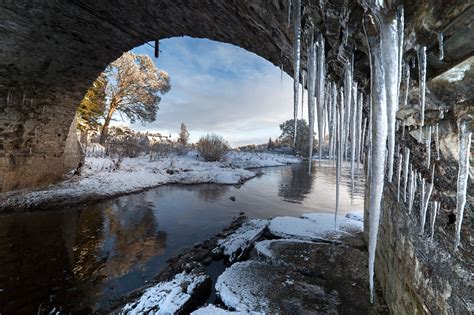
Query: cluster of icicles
339	116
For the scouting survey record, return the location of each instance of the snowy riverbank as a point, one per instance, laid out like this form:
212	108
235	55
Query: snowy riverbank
100	179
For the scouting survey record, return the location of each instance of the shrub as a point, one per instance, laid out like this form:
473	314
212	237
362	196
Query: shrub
212	147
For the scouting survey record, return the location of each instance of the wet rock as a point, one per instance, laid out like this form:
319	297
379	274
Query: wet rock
232	198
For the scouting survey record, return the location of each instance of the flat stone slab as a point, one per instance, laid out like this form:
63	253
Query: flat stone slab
254	286
342	269
314	226
168	297
237	244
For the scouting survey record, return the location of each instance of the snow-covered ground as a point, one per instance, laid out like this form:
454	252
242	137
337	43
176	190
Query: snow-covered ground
100	180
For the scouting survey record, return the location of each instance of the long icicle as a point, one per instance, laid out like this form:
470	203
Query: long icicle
303	84
399	172
340	114
391	60
464	151
320	85
359	131
347	104
434	214
379	138
437	141
422	83
362	145
411	193
406	160
311	99
426	201
296	62
353	131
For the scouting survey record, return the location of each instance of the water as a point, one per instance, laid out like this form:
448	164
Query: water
79	259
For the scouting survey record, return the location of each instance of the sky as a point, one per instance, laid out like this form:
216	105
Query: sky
219	88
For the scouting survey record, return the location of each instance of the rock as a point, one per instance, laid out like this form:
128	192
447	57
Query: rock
214	310
356	215
340	268
169	297
237	244
232	198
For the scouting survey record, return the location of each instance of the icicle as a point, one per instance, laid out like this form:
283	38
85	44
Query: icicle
289	13
359	131
399	172
428	148
403	129
434	214
400	34
339	149
334	118
281	70
311	88
347	104
422	82
352	130
362	145
464	144
296	61
406	159
320	86
437	141
426	199
303	84
407	85
379	71
411	194
391	59
441	45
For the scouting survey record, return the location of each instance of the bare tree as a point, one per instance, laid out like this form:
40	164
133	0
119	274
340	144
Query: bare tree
134	85
183	136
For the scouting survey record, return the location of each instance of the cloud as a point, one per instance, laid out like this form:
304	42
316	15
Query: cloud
220	88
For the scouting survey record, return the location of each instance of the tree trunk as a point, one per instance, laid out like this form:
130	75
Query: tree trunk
105	128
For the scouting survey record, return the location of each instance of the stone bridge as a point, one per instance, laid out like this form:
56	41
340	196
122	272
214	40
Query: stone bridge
52	50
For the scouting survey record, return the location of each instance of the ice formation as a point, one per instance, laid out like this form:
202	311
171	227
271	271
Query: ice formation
399	172
428	147
464	150
441	45
320	87
311	88
426	200
422	82
296	61
406	160
434	214
353	130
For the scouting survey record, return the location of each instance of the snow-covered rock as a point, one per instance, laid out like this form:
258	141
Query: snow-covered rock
257	159
314	226
214	310
356	215
237	243
167	297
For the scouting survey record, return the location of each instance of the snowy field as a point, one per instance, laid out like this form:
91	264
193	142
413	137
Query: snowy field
100	179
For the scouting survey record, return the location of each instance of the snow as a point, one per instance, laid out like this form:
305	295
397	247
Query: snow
214	310
314	226
166	297
241	299
237	243
100	179
263	247
356	215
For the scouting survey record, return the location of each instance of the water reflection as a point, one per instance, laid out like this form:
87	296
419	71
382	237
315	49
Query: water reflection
78	260
296	183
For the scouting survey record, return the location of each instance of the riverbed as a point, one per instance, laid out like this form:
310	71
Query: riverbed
81	258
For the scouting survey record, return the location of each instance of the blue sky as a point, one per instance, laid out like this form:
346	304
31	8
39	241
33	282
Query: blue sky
220	88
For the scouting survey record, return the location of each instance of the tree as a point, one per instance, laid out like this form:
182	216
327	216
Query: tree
92	107
183	136
212	147
287	133
270	144
133	87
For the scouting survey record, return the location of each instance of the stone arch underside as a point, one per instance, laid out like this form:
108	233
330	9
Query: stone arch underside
52	50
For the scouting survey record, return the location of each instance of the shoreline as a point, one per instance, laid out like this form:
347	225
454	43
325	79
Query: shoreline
97	186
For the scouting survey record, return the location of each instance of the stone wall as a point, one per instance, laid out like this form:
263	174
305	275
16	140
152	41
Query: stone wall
420	275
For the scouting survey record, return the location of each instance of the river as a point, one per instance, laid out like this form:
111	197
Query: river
78	259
